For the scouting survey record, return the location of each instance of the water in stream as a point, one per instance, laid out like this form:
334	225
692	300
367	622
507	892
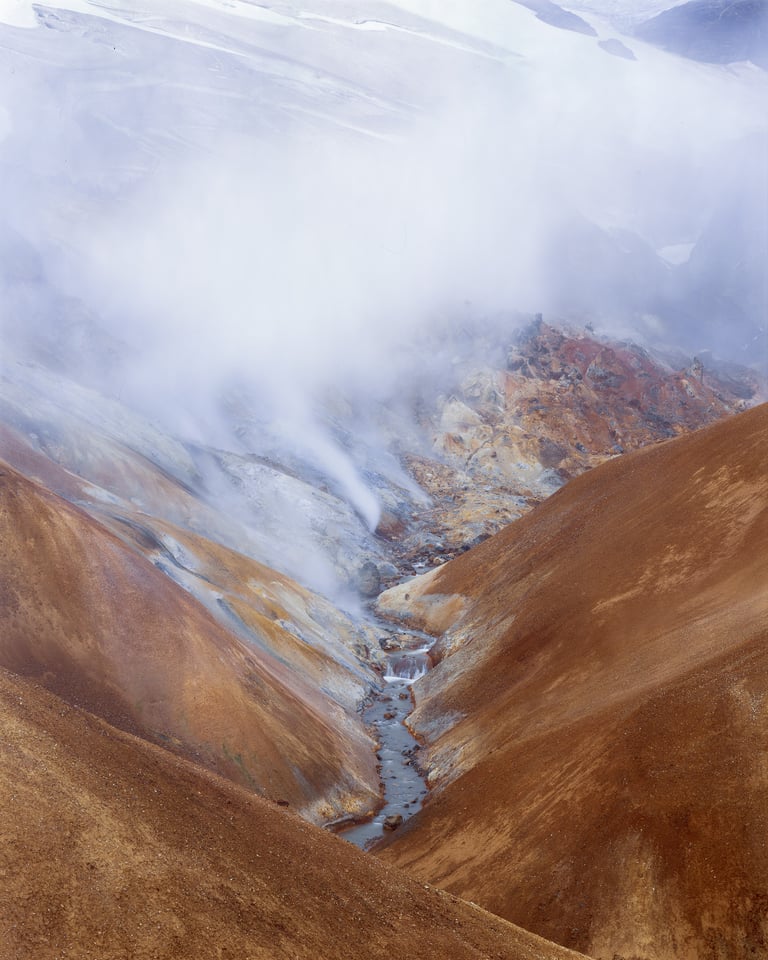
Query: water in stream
403	785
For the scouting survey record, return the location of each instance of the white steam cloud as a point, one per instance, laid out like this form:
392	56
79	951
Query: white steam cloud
281	199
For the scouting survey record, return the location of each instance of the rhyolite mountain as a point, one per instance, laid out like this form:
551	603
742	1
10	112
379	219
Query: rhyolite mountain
112	847
593	726
296	304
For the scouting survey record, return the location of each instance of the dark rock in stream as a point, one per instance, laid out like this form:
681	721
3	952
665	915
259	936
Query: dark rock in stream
390	644
393	822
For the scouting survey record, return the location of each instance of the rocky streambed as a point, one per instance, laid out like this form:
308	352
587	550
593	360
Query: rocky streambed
402	780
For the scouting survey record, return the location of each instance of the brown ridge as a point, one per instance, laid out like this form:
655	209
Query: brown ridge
104	629
596	729
112	848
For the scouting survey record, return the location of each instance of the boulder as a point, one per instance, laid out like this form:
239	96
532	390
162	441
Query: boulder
369	580
390	644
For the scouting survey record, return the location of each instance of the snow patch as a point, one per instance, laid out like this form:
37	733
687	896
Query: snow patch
17	13
677	253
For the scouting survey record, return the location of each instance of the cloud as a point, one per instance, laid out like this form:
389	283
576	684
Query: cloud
226	217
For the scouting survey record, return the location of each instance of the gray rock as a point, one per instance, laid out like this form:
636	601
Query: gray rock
390	644
369	580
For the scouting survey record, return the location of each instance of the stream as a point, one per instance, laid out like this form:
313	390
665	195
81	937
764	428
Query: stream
402	782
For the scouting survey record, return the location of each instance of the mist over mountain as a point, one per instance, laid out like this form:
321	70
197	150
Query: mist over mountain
714	31
377	457
203	182
207	208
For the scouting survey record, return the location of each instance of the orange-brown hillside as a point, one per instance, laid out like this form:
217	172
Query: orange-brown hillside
104	629
565	401
111	848
597	728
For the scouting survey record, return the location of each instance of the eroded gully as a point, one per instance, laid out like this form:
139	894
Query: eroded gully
402	781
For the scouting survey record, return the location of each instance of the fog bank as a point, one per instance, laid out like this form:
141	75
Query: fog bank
217	203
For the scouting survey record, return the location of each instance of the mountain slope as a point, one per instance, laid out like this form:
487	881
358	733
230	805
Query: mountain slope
105	629
596	726
112	848
714	31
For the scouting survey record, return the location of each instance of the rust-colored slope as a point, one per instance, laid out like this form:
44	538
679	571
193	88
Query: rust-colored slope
566	401
305	632
103	628
601	714
111	848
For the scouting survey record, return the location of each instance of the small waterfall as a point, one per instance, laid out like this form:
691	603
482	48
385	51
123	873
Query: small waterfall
407	666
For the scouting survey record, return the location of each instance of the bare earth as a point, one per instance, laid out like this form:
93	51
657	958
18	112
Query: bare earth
597	726
113	848
104	629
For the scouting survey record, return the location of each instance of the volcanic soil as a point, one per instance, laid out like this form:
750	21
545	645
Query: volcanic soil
106	630
596	729
111	847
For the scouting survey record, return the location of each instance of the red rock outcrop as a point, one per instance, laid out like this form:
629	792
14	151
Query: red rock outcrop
596	727
564	401
517	422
